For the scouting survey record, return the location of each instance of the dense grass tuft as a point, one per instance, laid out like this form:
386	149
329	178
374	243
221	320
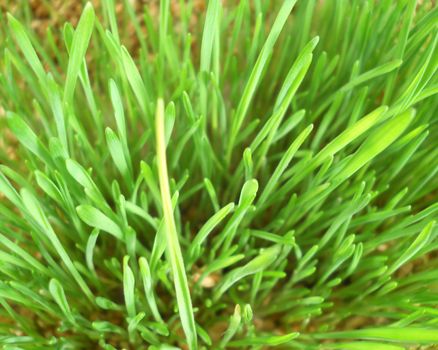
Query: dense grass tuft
252	175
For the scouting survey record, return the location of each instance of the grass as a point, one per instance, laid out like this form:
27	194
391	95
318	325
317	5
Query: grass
251	175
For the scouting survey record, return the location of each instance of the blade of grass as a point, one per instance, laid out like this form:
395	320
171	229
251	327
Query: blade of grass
79	46
256	73
173	247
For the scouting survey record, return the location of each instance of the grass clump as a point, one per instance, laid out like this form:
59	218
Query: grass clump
254	175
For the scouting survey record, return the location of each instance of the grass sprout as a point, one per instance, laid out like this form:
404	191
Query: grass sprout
219	175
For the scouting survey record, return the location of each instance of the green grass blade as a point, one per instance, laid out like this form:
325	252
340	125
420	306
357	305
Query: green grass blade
95	218
257	71
78	48
173	247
